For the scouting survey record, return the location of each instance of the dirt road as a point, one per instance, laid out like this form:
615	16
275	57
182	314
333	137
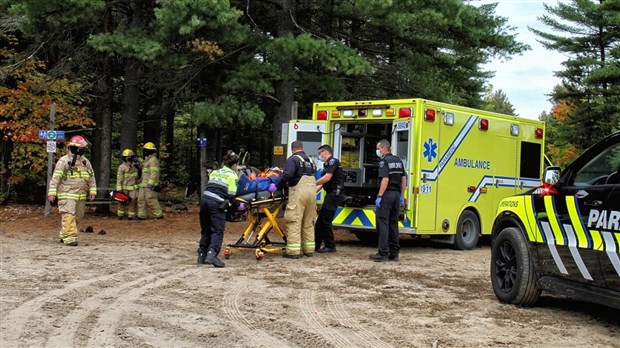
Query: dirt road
138	286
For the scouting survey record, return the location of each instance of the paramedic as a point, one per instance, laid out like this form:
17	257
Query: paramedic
127	181
73	179
149	185
214	202
301	208
244	157
391	188
332	182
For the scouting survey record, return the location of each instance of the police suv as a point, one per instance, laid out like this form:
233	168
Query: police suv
564	236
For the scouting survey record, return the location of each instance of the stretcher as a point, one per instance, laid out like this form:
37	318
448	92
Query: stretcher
261	212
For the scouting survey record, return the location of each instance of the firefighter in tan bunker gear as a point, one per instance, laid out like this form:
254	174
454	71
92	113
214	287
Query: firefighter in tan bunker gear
149	184
73	179
127	181
301	207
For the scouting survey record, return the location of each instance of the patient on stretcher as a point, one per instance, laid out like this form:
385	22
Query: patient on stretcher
257	187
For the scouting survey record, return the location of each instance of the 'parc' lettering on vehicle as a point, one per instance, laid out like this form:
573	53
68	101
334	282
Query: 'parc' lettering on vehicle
605	219
471	163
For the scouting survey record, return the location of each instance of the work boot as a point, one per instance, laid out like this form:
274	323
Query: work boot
201	256
378	257
393	257
121	217
289	256
213	260
327	250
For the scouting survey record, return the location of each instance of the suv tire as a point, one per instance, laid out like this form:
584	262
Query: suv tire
513	274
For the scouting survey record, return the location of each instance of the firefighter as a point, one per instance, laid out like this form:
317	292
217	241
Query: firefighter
127	181
73	179
390	197
149	184
214	203
332	182
301	207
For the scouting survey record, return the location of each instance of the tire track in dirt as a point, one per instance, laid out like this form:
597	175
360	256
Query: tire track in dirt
71	322
257	337
318	324
103	333
19	317
367	337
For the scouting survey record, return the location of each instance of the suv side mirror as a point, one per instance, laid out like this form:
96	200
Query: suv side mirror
552	175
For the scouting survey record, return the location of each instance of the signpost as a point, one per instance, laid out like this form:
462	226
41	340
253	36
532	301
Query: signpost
50	154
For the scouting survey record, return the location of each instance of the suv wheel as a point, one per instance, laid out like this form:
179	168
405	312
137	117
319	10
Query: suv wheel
512	271
467	231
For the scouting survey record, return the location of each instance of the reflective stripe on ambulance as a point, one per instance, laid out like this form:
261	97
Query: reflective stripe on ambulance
362	218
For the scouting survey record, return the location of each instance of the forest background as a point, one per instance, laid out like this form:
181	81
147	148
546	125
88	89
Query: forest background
126	72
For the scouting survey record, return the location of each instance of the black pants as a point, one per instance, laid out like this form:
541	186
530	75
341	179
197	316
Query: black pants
212	221
323	230
387	223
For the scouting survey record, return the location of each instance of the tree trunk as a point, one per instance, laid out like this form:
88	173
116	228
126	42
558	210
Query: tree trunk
284	91
131	104
104	123
168	111
204	165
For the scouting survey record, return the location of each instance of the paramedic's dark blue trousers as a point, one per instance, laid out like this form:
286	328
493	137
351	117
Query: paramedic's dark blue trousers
212	220
387	223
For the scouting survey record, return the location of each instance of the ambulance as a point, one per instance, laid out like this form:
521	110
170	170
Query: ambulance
460	163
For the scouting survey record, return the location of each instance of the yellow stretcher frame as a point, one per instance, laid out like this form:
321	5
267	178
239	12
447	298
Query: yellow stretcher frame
262	219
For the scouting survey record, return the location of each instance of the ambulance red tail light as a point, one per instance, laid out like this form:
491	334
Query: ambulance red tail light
484	124
404	112
429	115
538	133
362	112
321	115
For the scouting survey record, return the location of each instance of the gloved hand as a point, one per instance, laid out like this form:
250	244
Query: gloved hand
241	206
272	188
402	200
378	201
150	187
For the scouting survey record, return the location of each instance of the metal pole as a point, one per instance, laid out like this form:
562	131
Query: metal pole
50	161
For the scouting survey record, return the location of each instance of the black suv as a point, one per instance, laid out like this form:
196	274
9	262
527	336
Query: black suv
564	236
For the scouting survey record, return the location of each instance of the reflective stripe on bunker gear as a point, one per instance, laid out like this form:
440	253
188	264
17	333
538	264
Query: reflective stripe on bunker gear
150	171
72	182
127	177
222	184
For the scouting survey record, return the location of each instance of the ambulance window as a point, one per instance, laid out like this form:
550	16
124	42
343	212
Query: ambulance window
601	169
402	150
530	160
312	142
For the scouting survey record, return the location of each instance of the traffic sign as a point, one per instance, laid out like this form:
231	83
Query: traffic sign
51	134
51	146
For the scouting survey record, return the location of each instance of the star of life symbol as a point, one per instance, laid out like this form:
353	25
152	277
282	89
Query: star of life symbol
430	150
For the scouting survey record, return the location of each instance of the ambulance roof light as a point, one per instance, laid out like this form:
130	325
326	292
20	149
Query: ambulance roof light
321	115
335	113
390	112
347	113
404	112
362	112
514	129
538	133
484	124
429	115
377	112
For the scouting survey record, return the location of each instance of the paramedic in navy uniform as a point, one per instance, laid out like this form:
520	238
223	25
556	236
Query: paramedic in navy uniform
391	188
332	182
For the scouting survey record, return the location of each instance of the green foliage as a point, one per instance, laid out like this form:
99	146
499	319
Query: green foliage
587	32
226	111
497	101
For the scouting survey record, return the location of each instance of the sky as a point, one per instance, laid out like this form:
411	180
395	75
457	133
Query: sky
526	79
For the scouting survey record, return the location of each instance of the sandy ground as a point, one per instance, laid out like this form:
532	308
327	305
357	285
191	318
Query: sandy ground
138	286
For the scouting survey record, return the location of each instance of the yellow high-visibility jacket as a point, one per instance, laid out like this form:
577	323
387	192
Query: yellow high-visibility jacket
73	183
150	171
127	177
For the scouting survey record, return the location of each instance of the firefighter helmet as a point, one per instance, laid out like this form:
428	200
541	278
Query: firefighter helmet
127	153
149	146
78	141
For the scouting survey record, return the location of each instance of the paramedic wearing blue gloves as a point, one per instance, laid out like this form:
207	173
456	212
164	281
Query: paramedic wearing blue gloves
214	202
392	186
332	182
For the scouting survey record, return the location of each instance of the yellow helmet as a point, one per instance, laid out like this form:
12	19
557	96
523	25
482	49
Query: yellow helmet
127	153
149	146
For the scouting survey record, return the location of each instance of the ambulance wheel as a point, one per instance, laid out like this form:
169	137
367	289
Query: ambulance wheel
368	238
513	274
467	231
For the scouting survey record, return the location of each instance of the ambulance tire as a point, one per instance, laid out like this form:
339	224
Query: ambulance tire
367	238
513	274
467	231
